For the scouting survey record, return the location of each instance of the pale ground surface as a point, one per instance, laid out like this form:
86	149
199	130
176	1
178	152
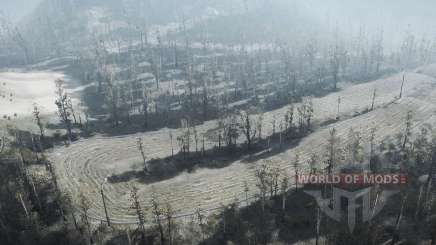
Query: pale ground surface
28	88
23	89
84	165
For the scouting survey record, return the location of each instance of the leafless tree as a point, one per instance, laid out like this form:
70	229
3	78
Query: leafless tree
112	97
145	104
377	54
71	108
156	71
247	127
259	126
289	120
273	175
196	139
332	150
296	166
158	213
284	188
171	226
374	94
171	142
335	64
201	222
407	130
185	138
402	84
261	175
400	215
37	117
273	124
354	147
246	190
231	131
305	115
141	149
313	160
62	104
2	144
139	212
84	207
311	52
372	147
318	224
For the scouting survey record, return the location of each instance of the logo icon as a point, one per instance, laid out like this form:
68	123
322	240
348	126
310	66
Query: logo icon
352	207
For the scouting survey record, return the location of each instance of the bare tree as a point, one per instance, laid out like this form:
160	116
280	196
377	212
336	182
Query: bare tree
62	104
169	215
305	115
284	188
402	84
273	180
407	130
376	53
201	222
332	150
296	166
37	117
259	126
395	236
141	149
196	139
145	104
205	101
156	71
71	108
247	127
335	64
318	224
231	132
185	138
84	207
354	147
374	94
246	190
372	148
289	120
2	144
112	99
158	214
273	124
261	175
171	142
136	206
311	52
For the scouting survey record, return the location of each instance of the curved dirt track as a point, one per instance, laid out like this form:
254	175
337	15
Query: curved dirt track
84	165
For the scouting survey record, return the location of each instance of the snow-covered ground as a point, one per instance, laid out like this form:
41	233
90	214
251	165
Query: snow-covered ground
23	89
84	165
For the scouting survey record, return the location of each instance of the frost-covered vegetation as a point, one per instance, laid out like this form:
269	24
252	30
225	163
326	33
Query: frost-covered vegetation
187	122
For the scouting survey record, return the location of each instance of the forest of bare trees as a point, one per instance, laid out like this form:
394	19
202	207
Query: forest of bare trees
190	123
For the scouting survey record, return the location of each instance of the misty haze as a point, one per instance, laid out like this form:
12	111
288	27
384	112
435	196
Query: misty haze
173	122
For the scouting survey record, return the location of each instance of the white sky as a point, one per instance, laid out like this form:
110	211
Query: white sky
16	9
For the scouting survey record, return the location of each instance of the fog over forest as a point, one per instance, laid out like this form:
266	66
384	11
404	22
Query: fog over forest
17	9
185	122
